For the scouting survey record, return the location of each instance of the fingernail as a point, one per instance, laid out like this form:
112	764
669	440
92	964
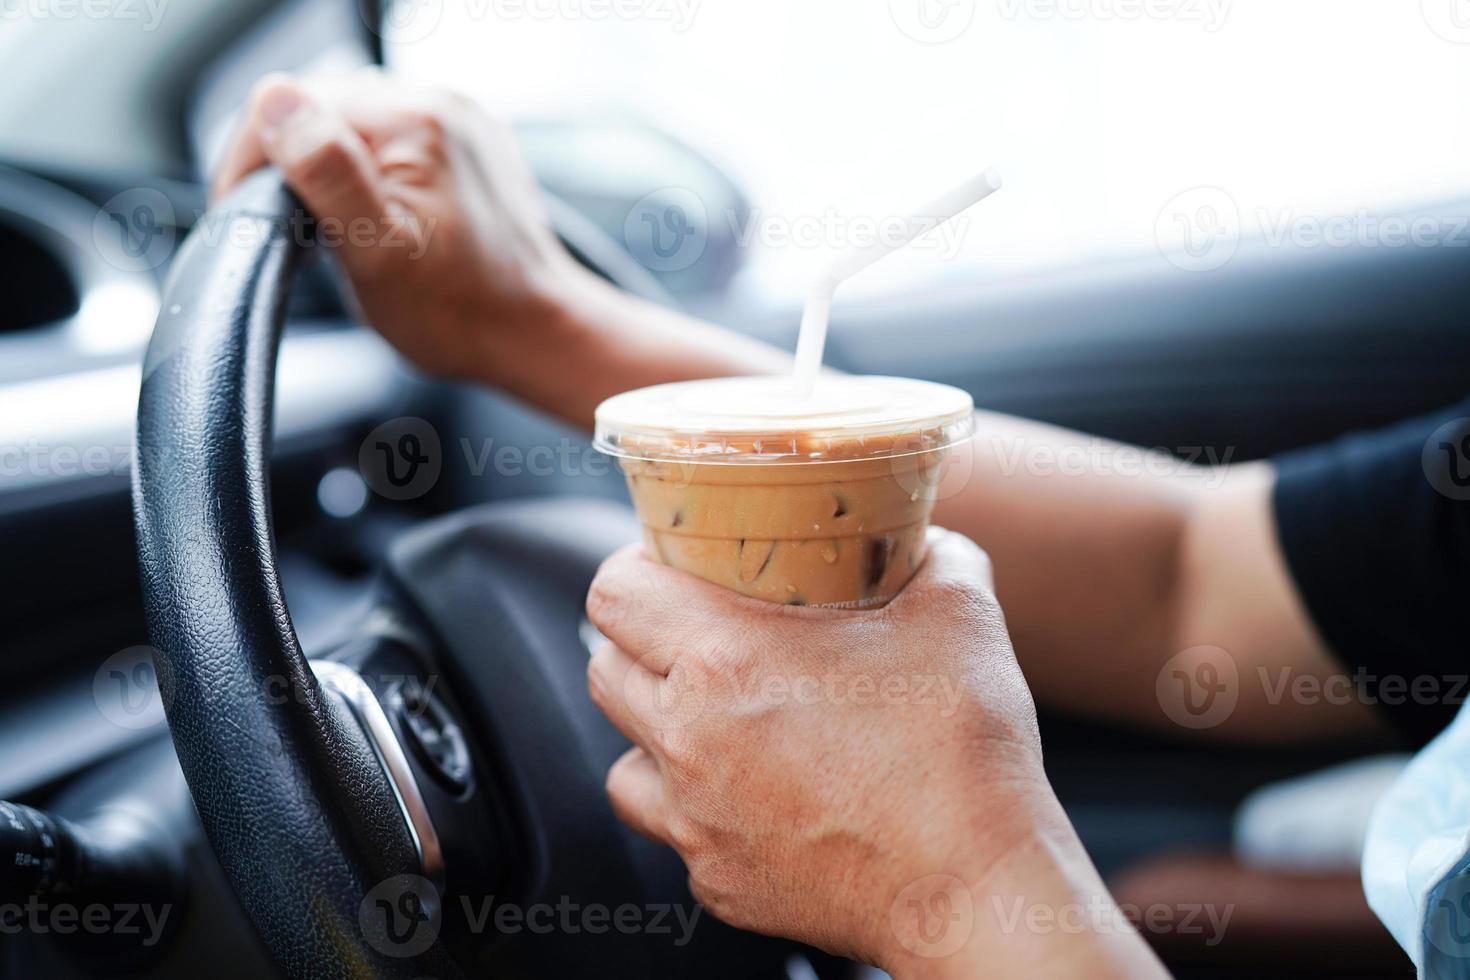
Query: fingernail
278	105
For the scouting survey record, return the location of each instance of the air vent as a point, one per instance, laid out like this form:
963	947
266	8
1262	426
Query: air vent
38	288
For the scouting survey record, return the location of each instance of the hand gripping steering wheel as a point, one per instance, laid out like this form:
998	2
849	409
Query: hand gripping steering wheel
375	809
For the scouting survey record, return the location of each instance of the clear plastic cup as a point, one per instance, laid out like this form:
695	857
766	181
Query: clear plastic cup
819	501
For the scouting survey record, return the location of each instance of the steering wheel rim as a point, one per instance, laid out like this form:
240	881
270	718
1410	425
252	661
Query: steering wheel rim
294	801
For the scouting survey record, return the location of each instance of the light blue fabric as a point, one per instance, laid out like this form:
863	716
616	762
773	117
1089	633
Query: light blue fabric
1416	862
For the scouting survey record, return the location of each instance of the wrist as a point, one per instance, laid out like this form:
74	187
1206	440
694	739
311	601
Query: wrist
529	348
1034	907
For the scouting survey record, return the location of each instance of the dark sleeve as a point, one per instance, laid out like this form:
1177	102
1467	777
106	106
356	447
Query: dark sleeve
1375	528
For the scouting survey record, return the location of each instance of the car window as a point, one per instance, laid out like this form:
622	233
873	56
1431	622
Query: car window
1105	117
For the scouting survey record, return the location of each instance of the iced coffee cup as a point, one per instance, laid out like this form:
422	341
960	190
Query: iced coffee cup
820	500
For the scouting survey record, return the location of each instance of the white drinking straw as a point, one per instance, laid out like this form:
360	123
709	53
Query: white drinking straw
813	338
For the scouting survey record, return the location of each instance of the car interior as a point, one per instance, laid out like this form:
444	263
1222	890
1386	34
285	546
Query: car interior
447	623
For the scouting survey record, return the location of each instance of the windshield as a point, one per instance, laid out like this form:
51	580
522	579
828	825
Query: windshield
1103	116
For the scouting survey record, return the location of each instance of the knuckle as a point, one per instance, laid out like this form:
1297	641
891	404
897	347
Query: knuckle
430	125
458	108
685	836
678	748
613	784
329	163
713	887
605	595
263	85
602	604
597	677
966	597
618	784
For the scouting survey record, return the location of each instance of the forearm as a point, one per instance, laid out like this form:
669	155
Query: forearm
592	342
1128	575
1041	910
1110	560
1086	538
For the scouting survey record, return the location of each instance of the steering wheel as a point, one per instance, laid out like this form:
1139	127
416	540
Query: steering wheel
375	809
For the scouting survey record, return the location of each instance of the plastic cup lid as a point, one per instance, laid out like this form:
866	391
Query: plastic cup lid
764	420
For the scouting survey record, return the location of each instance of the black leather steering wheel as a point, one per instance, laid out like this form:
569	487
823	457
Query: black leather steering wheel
297	808
350	838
